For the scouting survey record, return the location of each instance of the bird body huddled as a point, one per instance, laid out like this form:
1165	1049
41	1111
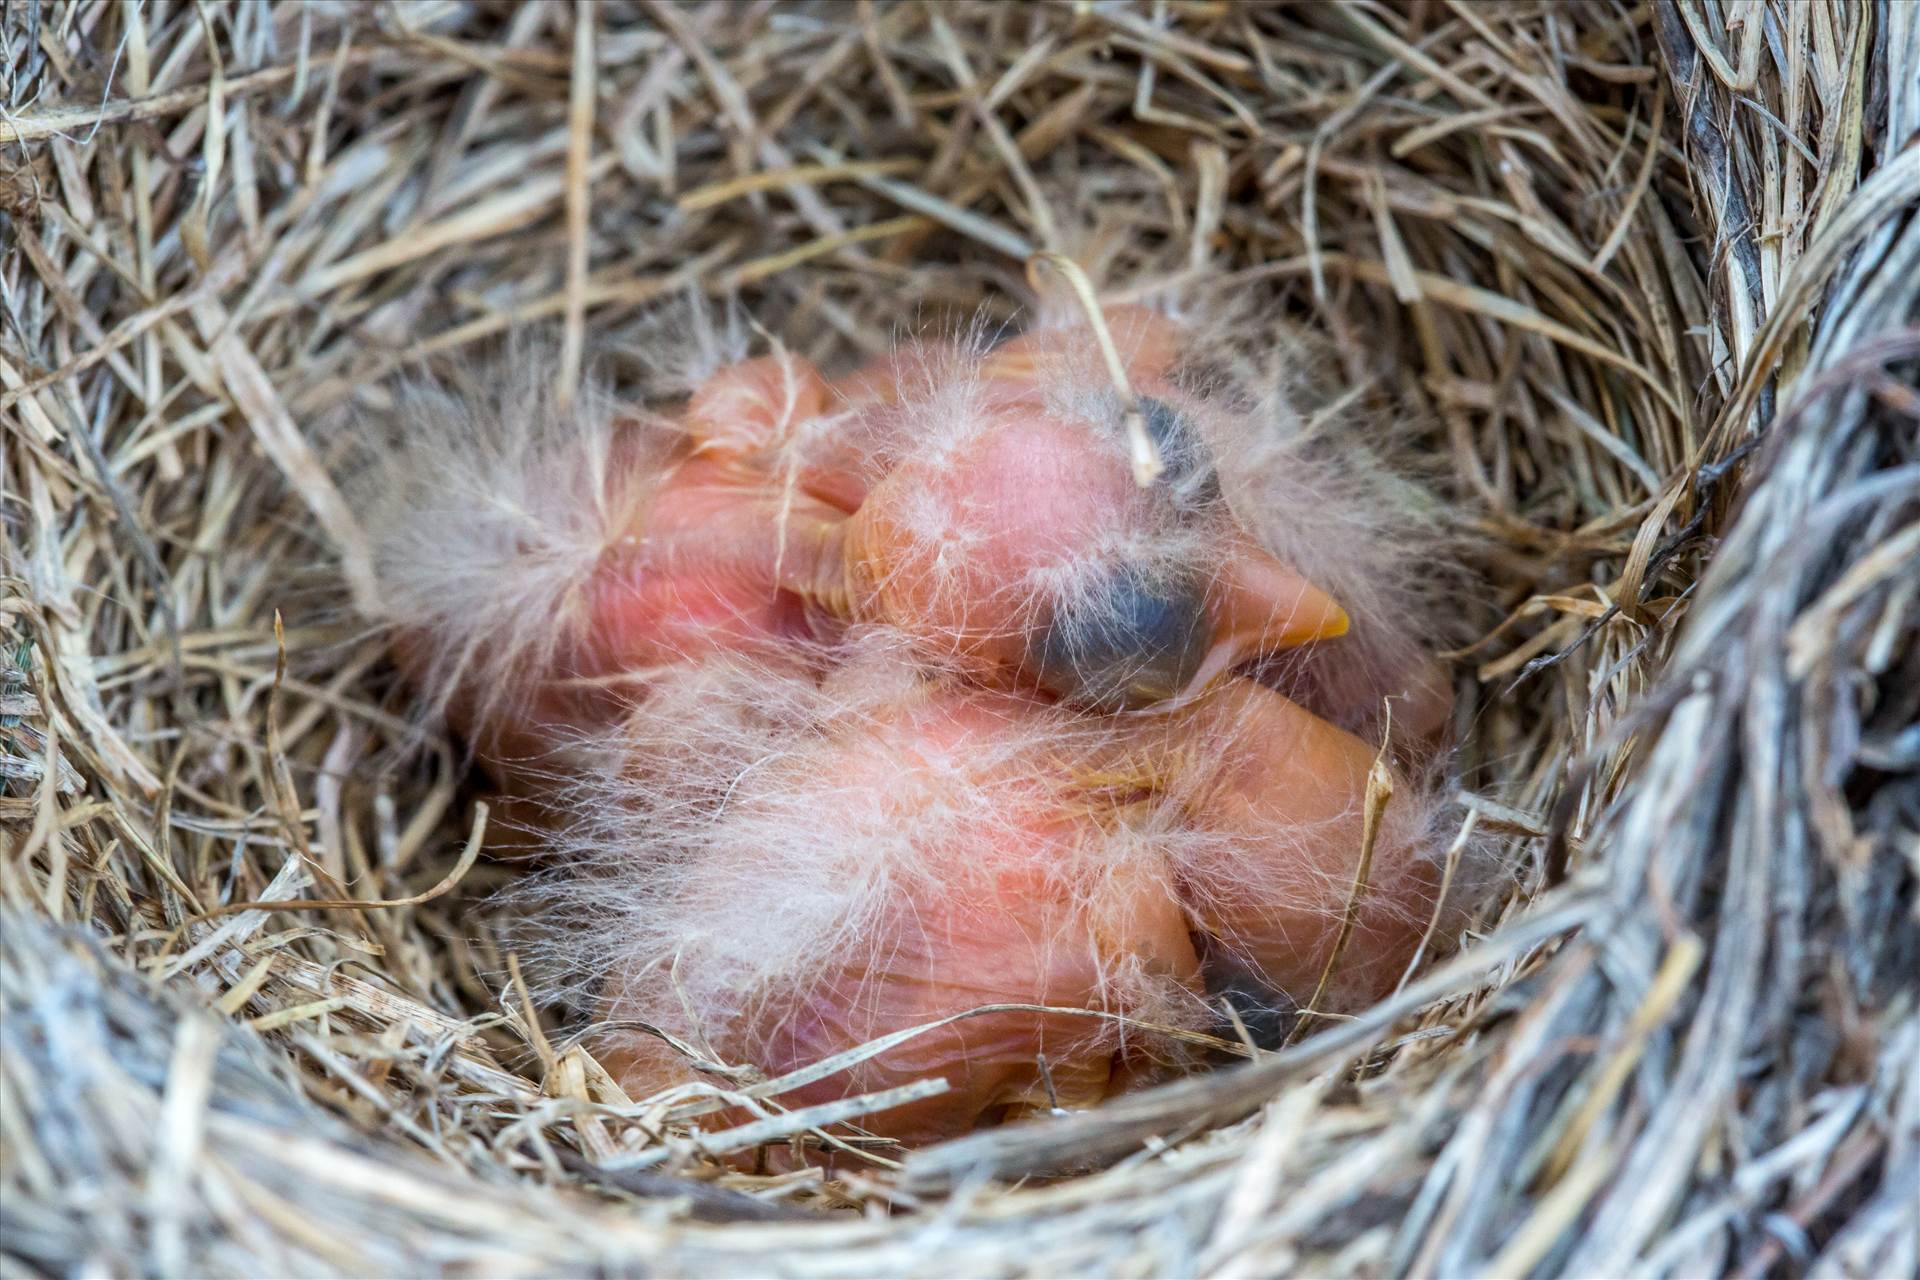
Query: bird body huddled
907	700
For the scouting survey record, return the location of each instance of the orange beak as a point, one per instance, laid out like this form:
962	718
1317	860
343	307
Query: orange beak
1259	605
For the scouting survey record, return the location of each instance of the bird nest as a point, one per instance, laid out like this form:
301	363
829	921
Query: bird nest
1643	278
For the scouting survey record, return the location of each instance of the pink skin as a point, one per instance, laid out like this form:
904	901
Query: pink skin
1354	695
715	556
959	589
1285	793
995	921
1257	604
1031	492
1281	794
752	413
700	570
697	570
941	548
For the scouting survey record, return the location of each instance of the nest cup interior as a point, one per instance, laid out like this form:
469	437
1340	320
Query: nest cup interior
1591	270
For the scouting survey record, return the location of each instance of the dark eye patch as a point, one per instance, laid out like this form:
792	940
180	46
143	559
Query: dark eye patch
1130	644
1183	454
1266	1014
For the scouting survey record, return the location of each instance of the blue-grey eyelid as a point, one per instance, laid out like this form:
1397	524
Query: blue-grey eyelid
1133	643
1187	465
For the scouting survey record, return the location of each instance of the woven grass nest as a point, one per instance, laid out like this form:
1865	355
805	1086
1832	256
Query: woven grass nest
1646	276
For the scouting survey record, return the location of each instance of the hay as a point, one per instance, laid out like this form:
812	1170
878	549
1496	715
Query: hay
1649	274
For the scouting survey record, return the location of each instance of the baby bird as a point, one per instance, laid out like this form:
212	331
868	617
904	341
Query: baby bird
1045	899
938	854
909	704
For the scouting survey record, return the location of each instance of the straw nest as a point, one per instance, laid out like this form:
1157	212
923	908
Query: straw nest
1645	275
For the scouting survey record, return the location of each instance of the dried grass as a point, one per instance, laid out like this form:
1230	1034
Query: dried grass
1649	273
